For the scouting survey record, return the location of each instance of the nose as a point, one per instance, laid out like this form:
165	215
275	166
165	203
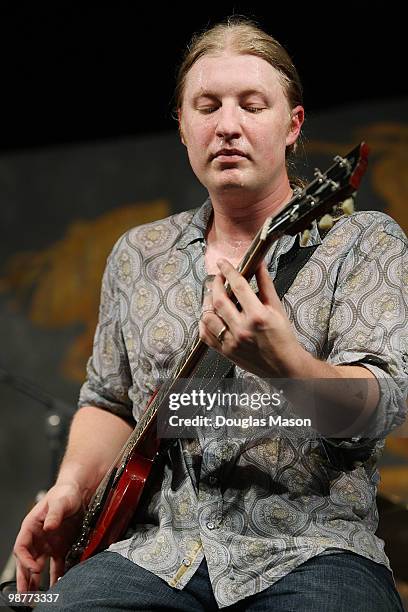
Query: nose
228	125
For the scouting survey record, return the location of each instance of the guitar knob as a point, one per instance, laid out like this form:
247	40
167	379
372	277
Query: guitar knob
348	206
304	238
326	222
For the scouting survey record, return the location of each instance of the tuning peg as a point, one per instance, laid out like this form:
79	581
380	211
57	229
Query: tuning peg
326	222
304	238
348	206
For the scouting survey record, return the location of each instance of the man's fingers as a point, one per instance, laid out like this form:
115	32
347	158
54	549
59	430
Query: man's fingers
26	579
239	286
57	567
24	549
22	577
267	291
25	558
27	541
34	581
207	336
28	560
31	548
224	308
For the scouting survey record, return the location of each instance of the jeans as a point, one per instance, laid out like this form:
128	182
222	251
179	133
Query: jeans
342	582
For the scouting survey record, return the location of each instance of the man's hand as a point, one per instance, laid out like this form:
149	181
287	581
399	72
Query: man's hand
260	338
47	532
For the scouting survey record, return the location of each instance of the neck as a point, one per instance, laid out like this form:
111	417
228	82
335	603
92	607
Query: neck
236	219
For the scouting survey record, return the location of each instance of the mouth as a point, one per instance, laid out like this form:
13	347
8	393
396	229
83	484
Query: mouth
229	155
229	159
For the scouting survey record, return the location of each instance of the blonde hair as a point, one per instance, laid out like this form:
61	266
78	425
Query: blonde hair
243	36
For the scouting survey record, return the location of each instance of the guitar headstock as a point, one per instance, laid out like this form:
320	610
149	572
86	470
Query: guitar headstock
328	192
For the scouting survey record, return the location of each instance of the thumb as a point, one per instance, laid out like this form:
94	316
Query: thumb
267	291
54	515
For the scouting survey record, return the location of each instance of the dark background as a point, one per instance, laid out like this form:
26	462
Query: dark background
77	71
86	131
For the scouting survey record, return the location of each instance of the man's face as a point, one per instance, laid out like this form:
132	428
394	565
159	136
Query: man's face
237	102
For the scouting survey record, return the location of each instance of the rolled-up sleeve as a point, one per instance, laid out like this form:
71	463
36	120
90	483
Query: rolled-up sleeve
368	323
108	377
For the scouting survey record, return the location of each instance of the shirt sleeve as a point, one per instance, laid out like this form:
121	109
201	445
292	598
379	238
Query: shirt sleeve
368	323
108	378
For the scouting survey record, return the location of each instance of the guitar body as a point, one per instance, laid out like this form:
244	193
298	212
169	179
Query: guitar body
120	505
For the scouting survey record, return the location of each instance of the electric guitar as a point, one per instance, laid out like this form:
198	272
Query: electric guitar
115	500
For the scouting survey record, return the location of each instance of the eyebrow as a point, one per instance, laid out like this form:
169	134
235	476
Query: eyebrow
243	94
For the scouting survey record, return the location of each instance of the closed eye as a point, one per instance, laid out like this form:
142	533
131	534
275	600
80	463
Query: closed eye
211	109
253	109
208	110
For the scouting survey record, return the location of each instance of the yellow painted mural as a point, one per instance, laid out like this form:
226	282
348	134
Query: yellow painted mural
60	285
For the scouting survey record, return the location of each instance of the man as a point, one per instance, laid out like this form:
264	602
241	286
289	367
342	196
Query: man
283	524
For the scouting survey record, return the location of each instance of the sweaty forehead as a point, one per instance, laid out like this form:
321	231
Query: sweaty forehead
229	74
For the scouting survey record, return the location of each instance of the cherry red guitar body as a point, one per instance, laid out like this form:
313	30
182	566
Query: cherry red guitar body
119	506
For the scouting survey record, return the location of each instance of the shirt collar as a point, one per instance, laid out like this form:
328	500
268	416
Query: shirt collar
197	227
196	230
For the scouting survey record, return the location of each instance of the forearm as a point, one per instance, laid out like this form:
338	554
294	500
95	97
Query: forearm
96	437
340	405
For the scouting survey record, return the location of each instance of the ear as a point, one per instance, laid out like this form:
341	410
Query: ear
297	116
179	127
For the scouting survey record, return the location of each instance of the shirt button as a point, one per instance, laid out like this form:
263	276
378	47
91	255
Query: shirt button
210	525
186	562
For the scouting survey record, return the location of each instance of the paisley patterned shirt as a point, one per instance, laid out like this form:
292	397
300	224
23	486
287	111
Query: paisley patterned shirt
254	511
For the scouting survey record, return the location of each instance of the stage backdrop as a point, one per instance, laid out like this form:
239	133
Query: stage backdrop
63	208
